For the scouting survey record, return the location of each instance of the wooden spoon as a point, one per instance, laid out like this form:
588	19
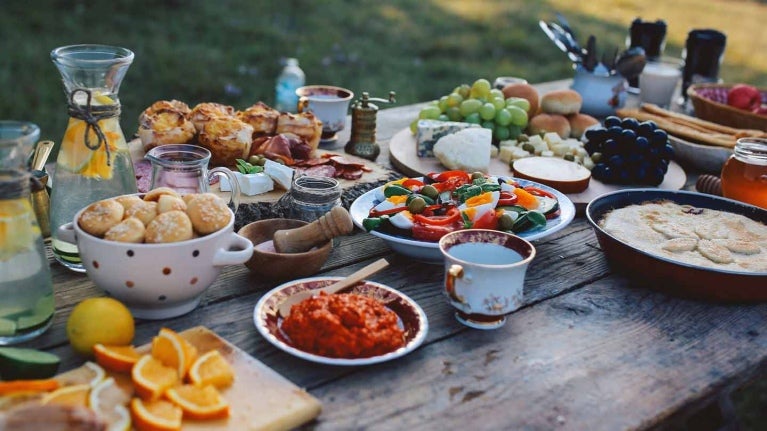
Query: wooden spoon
351	280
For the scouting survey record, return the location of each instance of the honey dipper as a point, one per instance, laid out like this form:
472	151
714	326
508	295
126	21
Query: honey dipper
334	223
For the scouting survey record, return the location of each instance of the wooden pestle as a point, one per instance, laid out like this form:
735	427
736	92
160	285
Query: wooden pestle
335	222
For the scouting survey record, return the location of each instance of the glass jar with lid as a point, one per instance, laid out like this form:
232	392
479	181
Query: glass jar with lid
744	175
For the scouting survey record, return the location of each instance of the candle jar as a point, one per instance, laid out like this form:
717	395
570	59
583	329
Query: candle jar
744	175
312	197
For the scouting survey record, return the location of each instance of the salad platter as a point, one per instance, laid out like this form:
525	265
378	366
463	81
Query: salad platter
403	155
554	211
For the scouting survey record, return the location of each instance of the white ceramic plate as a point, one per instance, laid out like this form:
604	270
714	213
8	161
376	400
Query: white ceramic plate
429	251
411	318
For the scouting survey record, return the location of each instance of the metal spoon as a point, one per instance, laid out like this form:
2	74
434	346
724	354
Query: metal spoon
352	279
631	62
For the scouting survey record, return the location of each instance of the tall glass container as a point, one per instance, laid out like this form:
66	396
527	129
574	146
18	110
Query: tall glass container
26	288
93	162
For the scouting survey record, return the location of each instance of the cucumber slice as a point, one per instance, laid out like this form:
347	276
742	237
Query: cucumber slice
7	327
529	221
20	363
547	205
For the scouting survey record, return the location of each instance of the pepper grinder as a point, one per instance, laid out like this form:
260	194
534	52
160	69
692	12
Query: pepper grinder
362	142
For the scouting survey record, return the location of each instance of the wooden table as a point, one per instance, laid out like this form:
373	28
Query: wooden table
587	351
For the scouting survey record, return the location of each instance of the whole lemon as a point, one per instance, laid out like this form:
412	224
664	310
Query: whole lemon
99	320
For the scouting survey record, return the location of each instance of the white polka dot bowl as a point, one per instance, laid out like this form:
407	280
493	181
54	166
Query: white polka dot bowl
157	281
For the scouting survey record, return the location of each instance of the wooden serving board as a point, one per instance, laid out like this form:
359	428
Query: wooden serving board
378	173
403	155
259	399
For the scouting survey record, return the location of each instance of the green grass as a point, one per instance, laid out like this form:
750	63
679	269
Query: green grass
230	51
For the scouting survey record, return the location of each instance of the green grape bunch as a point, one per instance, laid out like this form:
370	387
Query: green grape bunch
479	104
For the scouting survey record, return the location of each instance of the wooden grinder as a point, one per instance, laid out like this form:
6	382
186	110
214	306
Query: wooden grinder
334	223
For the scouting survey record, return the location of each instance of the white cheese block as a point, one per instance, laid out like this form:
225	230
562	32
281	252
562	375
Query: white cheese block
468	149
428	133
281	174
250	184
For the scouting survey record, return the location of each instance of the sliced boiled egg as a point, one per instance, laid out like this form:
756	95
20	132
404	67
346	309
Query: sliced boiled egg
506	187
402	220
475	207
392	202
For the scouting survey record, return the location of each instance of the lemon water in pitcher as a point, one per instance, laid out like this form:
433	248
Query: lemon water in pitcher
94	162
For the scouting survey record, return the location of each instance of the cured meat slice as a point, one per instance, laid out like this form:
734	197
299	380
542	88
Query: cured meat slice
320	171
352	174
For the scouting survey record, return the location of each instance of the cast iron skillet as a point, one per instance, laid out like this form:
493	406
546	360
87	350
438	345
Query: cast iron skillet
669	276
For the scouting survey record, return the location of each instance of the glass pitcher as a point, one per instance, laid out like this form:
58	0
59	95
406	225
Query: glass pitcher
94	162
26	288
184	168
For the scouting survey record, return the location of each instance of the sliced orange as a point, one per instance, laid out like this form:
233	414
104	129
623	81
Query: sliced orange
157	415
76	395
173	351
116	358
109	401
211	369
151	378
199	402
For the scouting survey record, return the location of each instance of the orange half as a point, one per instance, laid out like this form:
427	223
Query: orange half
157	415
199	402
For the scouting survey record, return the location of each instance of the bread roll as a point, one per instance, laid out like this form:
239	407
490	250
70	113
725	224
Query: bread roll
208	213
543	123
562	102
129	230
263	118
579	123
100	216
228	139
204	112
172	226
525	91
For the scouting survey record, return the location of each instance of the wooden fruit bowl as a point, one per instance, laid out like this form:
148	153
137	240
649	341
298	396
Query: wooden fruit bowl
710	103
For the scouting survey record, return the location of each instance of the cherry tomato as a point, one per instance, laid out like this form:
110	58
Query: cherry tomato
412	183
488	220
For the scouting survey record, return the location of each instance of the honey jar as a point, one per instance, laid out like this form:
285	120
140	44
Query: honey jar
744	175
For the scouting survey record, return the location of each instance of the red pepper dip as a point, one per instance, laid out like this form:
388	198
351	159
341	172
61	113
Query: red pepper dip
345	325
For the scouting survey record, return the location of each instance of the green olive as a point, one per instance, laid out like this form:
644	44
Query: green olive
417	205
596	157
253	160
529	148
280	161
523	138
430	191
506	222
569	157
261	161
477	176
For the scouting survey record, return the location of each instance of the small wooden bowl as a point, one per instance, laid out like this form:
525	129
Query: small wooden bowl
710	103
282	266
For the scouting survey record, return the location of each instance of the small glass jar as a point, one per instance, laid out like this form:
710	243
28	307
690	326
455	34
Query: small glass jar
312	197
744	175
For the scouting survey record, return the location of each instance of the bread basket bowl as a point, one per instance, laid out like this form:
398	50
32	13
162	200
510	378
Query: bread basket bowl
710	104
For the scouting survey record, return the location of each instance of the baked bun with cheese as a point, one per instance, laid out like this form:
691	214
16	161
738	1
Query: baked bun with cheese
165	128
228	139
262	117
544	123
305	125
525	91
562	102
579	123
205	112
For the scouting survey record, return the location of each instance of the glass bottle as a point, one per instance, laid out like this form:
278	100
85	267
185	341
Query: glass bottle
744	174
93	161
291	79
26	287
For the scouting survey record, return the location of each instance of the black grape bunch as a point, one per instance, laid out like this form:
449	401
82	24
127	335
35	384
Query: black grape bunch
626	151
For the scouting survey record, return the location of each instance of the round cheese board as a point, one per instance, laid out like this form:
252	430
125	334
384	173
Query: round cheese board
403	156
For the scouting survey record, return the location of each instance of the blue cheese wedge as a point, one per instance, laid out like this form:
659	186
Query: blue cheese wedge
428	133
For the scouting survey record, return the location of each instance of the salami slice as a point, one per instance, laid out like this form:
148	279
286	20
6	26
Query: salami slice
352	174
320	171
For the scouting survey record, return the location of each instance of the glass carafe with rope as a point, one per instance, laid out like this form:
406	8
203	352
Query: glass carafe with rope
94	161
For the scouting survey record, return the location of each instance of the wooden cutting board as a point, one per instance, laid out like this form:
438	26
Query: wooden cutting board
377	173
403	155
260	398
